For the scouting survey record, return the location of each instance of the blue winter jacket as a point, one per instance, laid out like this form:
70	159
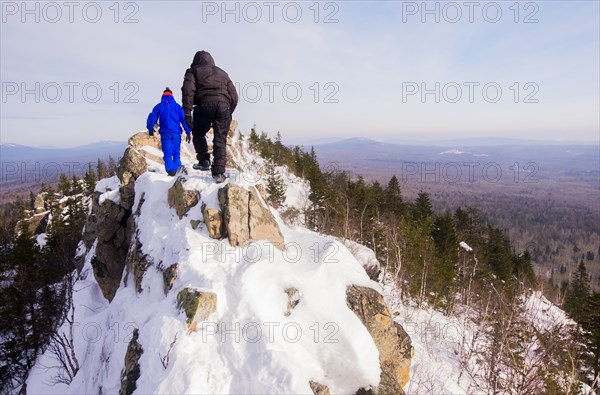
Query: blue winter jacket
170	116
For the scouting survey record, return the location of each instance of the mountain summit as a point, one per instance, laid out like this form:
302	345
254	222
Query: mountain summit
188	286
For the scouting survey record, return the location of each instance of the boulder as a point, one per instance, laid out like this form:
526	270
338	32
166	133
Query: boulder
318	389
213	221
112	225
293	299
131	165
169	277
136	263
246	218
131	370
197	305
261	222
39	203
181	199
395	349
142	139
233	200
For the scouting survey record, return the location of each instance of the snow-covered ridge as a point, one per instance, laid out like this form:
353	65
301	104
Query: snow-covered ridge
281	322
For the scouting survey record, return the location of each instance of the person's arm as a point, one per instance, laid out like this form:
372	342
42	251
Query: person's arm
152	118
233	96
183	122
188	91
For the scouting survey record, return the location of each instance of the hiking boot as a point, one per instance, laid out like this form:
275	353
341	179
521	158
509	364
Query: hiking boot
219	178
172	173
203	165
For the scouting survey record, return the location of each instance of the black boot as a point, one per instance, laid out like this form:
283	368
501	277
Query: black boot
219	178
203	165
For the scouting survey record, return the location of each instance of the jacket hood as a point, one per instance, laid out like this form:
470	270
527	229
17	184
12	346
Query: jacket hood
167	99
203	58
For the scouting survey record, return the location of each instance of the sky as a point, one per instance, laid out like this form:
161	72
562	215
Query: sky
81	72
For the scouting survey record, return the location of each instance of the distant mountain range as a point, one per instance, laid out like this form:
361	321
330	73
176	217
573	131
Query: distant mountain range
88	152
463	142
369	157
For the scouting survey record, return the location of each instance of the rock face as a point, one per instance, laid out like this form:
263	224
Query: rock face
131	166
136	263
246	218
318	389
293	300
395	349
213	221
110	226
142	139
131	371
181	199
39	204
197	305
169	277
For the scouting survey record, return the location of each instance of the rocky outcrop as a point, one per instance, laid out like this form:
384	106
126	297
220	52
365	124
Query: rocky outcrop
181	199
131	166
197	305
110	227
395	349
318	389
131	371
213	221
293	299
39	205
246	218
136	263
169	277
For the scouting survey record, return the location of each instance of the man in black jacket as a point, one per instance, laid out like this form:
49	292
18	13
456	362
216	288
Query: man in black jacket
208	91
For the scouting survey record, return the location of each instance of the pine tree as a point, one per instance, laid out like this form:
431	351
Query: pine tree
101	169
422	207
253	139
499	255
393	197
578	294
64	184
112	165
446	246
276	187
90	179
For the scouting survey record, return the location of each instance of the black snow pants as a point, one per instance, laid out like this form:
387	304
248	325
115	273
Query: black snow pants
218	115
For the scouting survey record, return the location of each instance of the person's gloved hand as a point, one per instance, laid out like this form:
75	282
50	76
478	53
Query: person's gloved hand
188	137
151	133
189	121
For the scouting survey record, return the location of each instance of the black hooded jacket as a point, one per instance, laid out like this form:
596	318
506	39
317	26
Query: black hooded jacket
205	82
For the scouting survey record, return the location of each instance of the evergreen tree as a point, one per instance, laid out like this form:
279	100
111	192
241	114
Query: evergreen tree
578	293
64	184
276	187
90	179
112	165
522	268
101	169
499	255
392	197
446	247
422	207
253	139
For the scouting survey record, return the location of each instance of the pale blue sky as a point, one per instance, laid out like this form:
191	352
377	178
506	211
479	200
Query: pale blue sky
371	54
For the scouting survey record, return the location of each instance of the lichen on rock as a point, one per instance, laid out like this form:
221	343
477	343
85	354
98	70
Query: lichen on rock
197	306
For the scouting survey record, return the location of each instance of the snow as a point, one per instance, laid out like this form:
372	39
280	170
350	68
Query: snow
465	246
41	240
248	345
108	184
363	254
109	189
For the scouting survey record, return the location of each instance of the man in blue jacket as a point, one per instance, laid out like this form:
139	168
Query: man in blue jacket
171	118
